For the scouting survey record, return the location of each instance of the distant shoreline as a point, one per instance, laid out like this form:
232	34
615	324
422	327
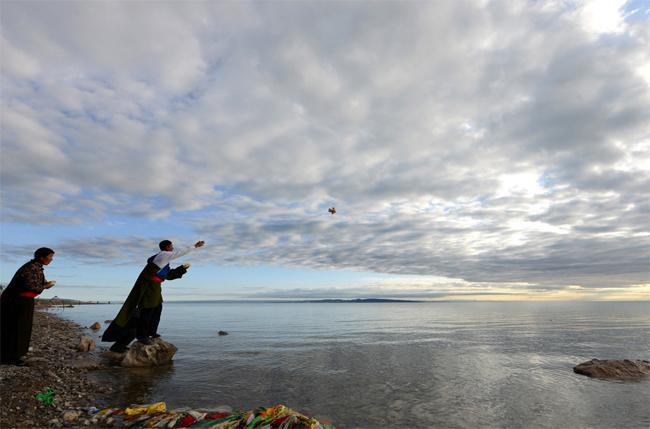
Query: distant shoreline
58	302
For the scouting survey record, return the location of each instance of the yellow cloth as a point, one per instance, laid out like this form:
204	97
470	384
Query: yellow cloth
158	407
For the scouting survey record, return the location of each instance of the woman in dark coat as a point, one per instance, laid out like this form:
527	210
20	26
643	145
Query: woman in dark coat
17	307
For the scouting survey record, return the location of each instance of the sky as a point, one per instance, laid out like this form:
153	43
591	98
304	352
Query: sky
474	150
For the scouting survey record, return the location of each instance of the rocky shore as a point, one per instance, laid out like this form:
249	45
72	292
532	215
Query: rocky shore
52	363
54	389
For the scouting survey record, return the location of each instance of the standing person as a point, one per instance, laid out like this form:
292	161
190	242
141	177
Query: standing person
17	307
140	313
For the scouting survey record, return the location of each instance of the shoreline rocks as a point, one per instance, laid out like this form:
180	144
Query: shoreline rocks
158	353
86	344
624	369
55	367
52	363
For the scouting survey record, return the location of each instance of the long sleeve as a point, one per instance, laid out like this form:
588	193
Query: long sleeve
176	273
32	278
163	258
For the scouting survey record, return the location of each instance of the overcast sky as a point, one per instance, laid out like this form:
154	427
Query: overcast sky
472	149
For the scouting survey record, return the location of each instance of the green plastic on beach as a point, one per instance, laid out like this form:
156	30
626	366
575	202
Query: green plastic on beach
47	397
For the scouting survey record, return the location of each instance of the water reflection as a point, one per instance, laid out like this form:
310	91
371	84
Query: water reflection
131	385
401	365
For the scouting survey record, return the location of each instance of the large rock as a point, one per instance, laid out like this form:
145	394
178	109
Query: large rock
86	344
614	369
95	326
158	353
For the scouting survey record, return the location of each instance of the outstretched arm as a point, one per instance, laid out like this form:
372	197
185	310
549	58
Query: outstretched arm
163	258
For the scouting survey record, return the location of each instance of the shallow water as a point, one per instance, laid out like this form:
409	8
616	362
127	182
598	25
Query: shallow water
444	364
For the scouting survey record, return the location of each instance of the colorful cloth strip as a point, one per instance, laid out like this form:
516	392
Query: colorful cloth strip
157	416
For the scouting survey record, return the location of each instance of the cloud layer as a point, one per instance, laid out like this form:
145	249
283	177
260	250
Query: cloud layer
483	141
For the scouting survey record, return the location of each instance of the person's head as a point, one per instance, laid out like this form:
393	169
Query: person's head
44	255
166	245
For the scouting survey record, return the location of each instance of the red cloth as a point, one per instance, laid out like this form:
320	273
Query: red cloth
187	421
278	422
216	416
29	294
157	279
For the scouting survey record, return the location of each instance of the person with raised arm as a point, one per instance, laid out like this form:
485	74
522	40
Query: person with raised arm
140	314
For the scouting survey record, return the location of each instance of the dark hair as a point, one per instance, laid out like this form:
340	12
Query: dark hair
42	253
164	244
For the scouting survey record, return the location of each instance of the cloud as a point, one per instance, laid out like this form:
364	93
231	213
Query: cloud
485	141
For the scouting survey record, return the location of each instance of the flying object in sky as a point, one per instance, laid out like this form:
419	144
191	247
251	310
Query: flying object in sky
332	210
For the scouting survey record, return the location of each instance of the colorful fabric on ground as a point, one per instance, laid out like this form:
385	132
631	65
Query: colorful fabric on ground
158	407
157	416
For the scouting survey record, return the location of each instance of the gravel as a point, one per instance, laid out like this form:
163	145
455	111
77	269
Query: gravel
53	362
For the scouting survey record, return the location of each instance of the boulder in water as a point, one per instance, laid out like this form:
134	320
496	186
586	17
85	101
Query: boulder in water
95	326
222	333
624	369
159	352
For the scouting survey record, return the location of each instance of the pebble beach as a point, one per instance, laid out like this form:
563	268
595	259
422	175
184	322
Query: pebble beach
52	363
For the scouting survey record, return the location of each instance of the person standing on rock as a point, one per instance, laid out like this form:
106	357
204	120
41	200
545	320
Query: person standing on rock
17	307
140	313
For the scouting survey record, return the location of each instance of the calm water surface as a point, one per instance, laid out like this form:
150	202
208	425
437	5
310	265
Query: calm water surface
371	365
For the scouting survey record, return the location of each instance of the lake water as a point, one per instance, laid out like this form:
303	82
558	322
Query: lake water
398	365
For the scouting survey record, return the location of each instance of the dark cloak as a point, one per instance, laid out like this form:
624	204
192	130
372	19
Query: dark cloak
16	316
144	290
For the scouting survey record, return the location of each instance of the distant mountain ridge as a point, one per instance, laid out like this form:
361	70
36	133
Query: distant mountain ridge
358	300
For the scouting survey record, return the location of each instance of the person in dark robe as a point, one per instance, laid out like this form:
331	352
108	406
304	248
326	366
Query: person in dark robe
17	307
140	314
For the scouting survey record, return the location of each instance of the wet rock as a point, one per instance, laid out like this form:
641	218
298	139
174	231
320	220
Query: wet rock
86	344
112	358
614	369
95	326
158	353
107	321
221	333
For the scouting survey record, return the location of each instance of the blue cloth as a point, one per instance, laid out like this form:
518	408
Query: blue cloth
163	272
